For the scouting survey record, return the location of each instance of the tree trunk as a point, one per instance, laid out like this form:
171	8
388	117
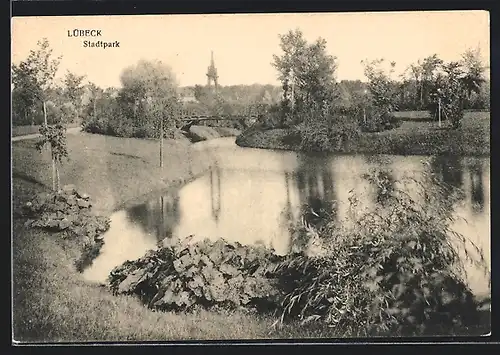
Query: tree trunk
94	109
44	113
161	143
54	175
421	93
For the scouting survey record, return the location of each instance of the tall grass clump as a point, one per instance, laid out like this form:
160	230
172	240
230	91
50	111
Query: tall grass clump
394	269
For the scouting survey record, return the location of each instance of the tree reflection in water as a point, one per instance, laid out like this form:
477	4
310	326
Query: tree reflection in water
477	187
316	192
215	192
448	169
158	216
314	182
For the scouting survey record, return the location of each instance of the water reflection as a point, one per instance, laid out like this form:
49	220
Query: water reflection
215	179
252	196
158	216
477	187
315	187
449	169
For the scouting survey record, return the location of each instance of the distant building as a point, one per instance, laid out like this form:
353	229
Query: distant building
189	98
186	94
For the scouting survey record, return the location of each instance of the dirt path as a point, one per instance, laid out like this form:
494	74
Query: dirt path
72	130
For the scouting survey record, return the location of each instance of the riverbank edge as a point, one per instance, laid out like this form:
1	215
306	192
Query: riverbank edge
273	140
412	138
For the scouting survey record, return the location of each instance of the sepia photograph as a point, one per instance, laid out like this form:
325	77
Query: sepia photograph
259	177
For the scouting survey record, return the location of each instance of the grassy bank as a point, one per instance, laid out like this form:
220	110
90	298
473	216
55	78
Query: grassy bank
52	302
112	170
24	130
413	137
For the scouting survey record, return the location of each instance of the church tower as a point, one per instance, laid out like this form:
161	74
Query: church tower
212	74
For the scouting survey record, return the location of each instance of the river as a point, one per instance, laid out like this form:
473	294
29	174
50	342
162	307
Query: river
252	195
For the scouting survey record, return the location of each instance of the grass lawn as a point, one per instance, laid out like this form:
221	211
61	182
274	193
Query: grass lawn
413	137
111	170
52	302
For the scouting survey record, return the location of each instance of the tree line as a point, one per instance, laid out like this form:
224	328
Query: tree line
305	70
150	95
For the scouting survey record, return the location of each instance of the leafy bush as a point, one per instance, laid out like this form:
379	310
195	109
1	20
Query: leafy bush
324	132
180	276
388	270
68	212
380	120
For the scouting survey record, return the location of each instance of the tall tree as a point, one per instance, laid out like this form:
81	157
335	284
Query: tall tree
449	92
381	85
429	68
306	71
415	70
151	86
73	91
474	69
35	75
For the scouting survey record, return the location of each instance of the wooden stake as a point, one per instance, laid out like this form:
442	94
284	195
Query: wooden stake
161	143
54	174
439	111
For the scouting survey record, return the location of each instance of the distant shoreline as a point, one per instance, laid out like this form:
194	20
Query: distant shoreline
412	138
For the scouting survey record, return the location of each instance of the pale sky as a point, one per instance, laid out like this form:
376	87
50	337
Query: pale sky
243	44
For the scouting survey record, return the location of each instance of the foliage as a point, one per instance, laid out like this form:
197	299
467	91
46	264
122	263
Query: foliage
379	120
73	92
377	112
182	275
450	93
380	84
393	270
146	103
474	70
306	71
55	137
149	97
67	212
33	78
324	131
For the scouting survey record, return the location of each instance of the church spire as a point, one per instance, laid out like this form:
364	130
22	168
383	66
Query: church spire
212	72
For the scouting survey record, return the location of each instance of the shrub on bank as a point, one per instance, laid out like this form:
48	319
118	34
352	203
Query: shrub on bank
378	121
209	274
394	269
67	212
327	132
